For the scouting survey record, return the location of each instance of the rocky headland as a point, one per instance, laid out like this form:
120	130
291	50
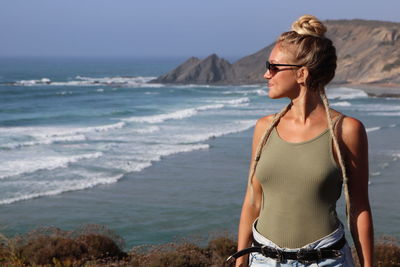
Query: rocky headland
368	58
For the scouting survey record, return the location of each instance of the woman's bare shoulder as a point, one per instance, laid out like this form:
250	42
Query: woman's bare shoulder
261	125
264	122
352	131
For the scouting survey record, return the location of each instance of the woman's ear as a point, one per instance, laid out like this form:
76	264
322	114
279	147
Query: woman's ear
302	75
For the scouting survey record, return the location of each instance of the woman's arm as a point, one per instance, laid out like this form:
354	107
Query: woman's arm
355	151
251	209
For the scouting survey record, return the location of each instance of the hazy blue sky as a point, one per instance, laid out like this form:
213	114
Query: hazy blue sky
163	28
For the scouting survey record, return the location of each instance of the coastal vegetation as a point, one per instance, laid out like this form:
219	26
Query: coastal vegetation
95	245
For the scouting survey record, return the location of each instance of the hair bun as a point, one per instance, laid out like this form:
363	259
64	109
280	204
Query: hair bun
309	25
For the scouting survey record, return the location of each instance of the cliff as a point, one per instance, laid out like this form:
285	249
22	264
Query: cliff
368	53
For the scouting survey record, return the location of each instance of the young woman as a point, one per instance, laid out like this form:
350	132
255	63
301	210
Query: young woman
301	158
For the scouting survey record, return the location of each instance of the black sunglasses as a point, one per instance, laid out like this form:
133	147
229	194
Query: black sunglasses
273	67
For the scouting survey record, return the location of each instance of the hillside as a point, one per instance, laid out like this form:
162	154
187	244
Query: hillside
368	53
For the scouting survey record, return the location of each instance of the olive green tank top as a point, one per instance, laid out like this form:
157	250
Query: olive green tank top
301	184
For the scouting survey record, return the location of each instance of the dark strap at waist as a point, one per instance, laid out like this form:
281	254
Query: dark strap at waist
302	255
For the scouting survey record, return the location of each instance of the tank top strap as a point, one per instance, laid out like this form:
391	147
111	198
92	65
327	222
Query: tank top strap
336	120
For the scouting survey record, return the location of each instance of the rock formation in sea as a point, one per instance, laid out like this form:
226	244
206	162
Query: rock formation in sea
368	53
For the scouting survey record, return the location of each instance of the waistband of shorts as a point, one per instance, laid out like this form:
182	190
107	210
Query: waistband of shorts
323	242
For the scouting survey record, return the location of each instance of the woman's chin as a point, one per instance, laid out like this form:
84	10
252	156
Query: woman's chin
272	95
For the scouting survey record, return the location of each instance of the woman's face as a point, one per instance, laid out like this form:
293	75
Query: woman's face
282	81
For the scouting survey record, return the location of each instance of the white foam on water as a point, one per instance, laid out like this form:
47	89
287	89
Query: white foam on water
378	107
30	164
48	141
373	129
341	104
112	81
233	127
185	86
234	92
180	114
63	186
50	135
375	174
208	107
345	93
102	128
176	115
167	150
240	105
60	131
136	162
390	114
255	111
33	82
396	155
65	93
241	100
260	92
130	166
138	81
250	85
151	129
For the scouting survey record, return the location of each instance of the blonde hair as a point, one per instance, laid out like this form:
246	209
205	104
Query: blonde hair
313	50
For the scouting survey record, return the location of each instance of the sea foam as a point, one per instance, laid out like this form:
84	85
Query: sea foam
176	115
138	81
386	114
235	101
62	187
373	129
30	164
345	93
233	127
341	104
50	135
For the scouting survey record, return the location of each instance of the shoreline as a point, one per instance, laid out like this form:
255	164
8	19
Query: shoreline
373	90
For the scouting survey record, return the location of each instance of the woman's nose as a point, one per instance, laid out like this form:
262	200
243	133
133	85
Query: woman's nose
267	75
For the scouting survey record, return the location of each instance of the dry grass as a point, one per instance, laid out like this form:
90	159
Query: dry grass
51	246
96	246
387	252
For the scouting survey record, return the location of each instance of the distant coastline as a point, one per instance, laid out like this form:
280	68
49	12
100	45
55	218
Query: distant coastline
368	55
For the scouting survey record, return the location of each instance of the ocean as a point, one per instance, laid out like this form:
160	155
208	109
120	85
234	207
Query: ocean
90	141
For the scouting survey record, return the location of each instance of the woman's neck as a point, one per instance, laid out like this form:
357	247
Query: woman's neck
307	104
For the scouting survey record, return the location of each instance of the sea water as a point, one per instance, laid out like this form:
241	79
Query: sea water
92	141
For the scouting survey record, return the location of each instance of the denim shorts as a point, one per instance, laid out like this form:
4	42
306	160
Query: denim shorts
345	260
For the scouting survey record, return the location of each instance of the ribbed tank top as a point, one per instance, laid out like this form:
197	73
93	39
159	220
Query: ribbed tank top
301	184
